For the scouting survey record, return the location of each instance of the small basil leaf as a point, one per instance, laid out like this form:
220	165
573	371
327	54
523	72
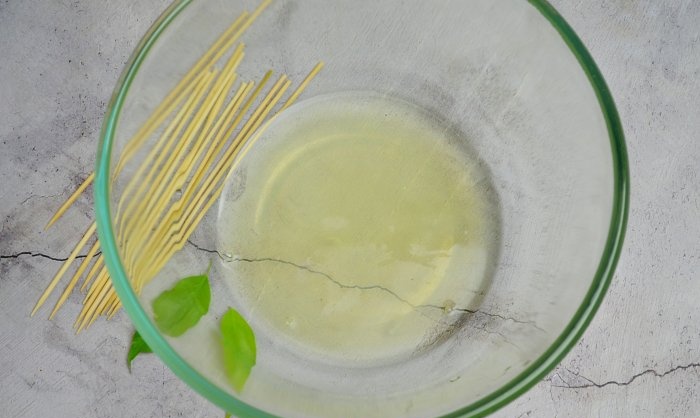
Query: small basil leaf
138	346
238	344
180	308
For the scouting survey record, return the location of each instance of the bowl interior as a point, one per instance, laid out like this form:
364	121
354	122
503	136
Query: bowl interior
519	95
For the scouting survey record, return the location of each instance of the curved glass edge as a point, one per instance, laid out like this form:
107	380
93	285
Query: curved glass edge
613	247
121	284
487	405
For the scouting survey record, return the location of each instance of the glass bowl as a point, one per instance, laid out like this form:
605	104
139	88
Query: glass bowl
525	100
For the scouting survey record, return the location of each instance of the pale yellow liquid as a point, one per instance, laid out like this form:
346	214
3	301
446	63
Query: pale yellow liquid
358	228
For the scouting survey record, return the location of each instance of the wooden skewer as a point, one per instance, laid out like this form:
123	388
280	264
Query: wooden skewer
157	153
110	302
111	299
181	89
66	264
294	96
92	309
104	303
237	120
97	291
256	121
176	166
213	54
107	301
220	136
166	250
71	199
179	92
190	155
93	271
114	309
211	141
160	170
172	128
143	184
302	86
100	281
228	75
83	266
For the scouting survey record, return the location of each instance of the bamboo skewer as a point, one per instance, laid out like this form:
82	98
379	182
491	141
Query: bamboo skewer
177	160
90	303
71	199
300	89
171	129
237	120
194	209
212	55
170	102
158	153
204	134
211	142
66	264
92	273
83	266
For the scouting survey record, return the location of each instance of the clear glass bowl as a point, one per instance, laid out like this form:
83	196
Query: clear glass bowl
533	108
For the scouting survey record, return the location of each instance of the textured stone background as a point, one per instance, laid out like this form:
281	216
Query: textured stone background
59	61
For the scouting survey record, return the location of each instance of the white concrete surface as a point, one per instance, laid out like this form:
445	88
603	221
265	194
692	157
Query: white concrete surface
59	61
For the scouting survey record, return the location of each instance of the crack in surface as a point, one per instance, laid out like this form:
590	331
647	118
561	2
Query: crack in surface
206	250
554	403
374	287
38	196
500	334
593	384
306	268
327	276
493	315
38	254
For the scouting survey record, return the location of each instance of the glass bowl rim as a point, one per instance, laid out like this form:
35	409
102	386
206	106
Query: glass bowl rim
484	406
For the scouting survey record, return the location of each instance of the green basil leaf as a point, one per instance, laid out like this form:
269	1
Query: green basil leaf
238	344
138	346
180	308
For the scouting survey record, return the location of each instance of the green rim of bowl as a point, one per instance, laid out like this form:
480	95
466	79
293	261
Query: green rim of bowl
490	403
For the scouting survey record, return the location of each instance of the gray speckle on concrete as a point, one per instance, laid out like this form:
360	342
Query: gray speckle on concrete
60	60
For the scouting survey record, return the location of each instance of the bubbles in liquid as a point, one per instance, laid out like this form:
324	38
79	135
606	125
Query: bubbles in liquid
448	306
291	322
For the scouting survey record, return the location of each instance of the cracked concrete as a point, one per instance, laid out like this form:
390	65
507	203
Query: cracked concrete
490	314
32	197
375	287
639	357
327	276
592	384
38	254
